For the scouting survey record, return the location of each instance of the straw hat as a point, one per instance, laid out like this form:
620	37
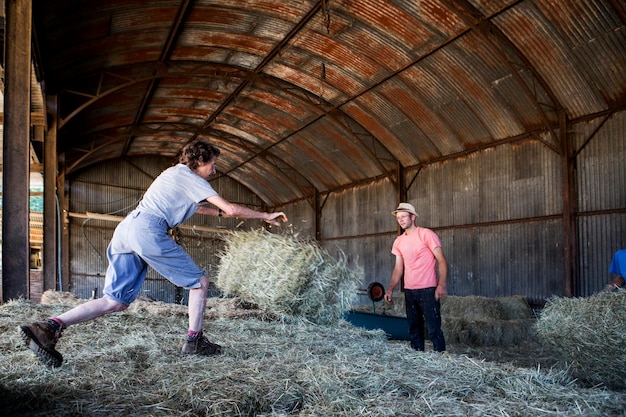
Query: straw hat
404	207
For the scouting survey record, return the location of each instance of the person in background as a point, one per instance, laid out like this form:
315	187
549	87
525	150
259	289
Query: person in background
420	259
618	268
142	240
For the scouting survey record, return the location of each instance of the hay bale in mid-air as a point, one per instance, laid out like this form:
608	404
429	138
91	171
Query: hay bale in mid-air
589	333
287	277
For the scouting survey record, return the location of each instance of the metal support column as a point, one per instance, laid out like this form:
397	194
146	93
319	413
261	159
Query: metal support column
569	208
62	195
50	219
317	214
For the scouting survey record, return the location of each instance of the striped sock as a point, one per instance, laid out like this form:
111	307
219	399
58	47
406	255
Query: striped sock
192	336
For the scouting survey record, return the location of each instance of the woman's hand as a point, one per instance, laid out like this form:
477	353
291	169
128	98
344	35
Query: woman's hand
275	218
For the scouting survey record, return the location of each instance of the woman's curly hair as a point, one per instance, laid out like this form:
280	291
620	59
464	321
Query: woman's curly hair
197	152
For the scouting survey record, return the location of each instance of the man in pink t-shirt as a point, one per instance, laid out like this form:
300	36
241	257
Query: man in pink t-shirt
420	259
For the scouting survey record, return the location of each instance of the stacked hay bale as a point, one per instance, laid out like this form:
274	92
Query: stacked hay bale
477	321
287	277
589	333
483	321
63	298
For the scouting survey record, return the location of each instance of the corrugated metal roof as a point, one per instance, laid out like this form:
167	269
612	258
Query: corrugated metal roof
306	96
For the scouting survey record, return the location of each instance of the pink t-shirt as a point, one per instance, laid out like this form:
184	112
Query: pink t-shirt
416	251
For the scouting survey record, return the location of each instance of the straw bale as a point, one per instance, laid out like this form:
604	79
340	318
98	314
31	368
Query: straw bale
129	363
467	307
157	307
475	320
486	308
471	308
287	277
487	332
515	308
588	332
63	298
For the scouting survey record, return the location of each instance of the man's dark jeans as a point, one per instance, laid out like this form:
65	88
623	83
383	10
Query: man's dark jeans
422	310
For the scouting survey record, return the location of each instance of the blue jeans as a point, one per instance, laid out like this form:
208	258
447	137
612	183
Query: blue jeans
422	310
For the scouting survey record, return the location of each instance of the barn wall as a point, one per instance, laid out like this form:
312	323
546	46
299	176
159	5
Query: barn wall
601	181
494	211
498	213
358	222
301	215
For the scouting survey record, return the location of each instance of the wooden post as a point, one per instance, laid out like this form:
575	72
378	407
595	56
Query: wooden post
16	156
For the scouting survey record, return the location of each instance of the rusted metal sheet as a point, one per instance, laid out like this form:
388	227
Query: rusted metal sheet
428	79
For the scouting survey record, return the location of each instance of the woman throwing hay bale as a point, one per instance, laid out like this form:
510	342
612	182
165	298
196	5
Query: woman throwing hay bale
141	239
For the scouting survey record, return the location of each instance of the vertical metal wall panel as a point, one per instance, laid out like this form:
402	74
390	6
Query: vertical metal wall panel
359	223
369	254
301	217
362	210
504	260
499	184
601	147
498	213
599	237
601	144
485	208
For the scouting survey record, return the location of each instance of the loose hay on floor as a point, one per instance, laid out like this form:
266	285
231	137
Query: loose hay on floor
128	364
287	277
590	333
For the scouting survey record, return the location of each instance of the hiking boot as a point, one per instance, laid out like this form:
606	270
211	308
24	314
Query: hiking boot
41	338
201	346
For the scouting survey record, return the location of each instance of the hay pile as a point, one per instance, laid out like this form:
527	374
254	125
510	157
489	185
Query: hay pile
216	307
590	333
128	364
62	298
287	277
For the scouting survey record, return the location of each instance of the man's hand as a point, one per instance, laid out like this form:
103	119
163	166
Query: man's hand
389	297
440	292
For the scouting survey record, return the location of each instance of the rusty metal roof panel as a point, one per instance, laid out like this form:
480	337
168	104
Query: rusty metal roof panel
94	35
404	140
358	44
565	42
305	86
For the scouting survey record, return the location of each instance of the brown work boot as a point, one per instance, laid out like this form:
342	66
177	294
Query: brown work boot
201	346
41	338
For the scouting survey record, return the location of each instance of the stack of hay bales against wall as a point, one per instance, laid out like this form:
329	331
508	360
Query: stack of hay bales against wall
287	277
478	321
482	321
590	333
